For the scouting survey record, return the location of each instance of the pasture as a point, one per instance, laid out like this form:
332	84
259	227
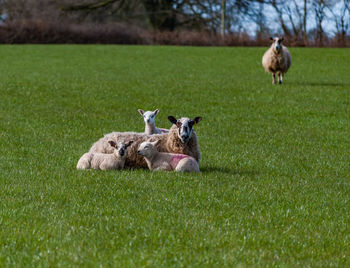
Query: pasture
274	184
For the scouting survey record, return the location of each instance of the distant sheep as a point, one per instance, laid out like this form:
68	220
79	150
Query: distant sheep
114	160
150	125
181	139
277	59
166	161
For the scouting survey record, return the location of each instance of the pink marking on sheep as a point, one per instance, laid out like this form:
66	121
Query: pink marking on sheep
176	159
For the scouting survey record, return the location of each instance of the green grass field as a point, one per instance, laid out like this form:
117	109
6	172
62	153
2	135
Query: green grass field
274	187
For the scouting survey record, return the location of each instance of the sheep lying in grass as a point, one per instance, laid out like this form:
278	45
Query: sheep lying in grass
277	59
150	125
181	139
115	160
166	161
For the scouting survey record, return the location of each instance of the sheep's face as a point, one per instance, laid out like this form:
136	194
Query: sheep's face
148	116
184	127
277	43
120	148
147	148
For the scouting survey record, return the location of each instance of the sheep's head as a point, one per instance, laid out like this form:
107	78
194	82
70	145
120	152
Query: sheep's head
277	43
120	148
184	127
147	148
148	116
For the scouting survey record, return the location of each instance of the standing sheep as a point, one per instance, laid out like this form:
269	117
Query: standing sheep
166	161
114	160
150	125
277	59
181	139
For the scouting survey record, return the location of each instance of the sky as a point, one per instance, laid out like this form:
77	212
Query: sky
328	24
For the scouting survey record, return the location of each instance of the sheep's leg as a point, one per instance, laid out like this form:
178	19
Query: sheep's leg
160	169
280	78
105	166
273	78
164	167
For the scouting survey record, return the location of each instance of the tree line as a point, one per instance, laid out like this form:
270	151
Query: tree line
301	21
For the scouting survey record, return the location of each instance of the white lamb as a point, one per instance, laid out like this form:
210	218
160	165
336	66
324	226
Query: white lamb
277	59
115	160
166	161
150	125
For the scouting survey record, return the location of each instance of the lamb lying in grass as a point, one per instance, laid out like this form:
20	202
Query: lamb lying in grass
115	160
150	125
166	161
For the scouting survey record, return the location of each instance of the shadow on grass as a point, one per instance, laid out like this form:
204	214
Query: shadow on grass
318	84
226	170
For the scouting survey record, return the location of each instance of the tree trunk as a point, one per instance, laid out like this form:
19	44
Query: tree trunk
223	11
304	23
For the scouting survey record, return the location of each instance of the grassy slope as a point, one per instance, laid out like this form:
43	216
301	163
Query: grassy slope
274	185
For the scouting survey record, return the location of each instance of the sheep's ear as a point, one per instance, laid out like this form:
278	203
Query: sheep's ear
197	120
141	111
129	143
172	119
112	143
155	142
156	112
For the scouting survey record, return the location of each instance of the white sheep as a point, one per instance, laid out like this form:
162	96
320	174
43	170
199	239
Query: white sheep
166	161
150	125
114	160
277	59
181	139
